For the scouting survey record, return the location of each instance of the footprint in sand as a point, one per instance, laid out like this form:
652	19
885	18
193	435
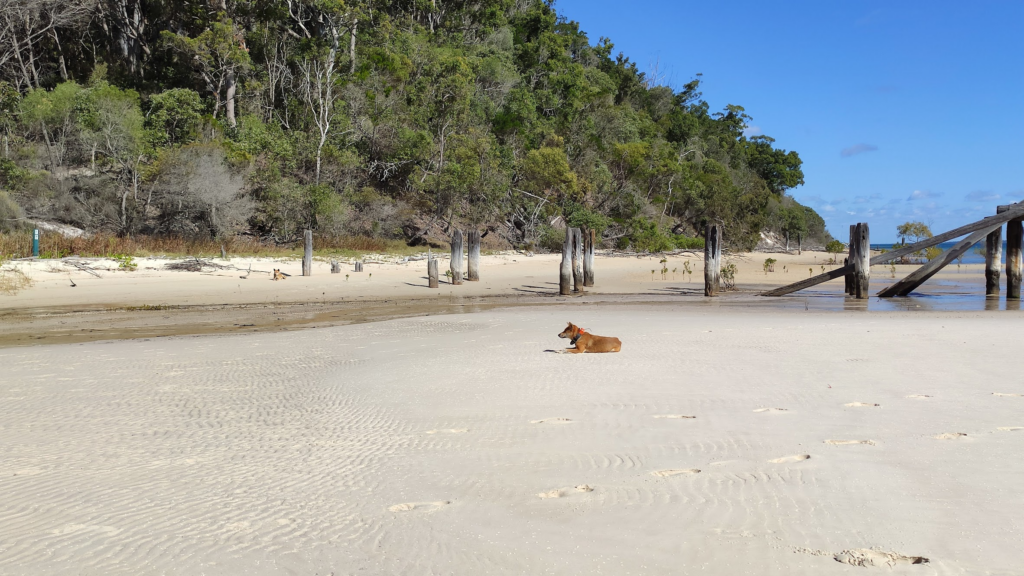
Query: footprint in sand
551	421
672	416
950	436
422	506
770	410
849	442
861	405
877	558
448	431
789	459
919	396
674	472
1010	428
559	492
1005	394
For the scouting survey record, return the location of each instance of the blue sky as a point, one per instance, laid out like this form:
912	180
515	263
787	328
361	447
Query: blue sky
908	110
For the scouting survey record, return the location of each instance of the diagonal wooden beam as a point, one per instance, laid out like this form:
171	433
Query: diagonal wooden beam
830	275
1012	211
922	274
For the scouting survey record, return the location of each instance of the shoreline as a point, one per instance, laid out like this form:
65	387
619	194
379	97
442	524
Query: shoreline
110	304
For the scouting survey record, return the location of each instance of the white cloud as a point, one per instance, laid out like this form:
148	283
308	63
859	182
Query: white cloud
857	149
981	196
922	195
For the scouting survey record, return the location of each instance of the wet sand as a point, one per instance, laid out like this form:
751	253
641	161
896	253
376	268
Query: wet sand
722	440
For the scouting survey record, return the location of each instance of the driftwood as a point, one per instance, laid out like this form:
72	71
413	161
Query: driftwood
195	264
712	259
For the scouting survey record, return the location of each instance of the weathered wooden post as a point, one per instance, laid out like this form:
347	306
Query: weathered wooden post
799	244
335	267
862	261
358	267
577	260
431	272
307	254
456	266
1014	237
223	253
712	259
993	257
849	260
589	236
565	271
473	273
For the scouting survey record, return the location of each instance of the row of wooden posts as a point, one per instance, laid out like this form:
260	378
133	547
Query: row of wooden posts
857	267
576	271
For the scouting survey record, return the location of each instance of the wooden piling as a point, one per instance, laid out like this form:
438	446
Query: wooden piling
799	244
307	253
473	273
712	259
456	264
1014	237
993	258
565	269
335	267
577	260
589	237
850	290
862	262
432	272
358	267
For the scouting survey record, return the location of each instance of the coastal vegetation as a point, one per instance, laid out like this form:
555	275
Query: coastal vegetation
378	125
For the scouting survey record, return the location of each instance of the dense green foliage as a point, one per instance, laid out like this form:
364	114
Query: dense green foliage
393	119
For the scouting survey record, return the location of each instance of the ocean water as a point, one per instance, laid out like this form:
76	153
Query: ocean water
972	256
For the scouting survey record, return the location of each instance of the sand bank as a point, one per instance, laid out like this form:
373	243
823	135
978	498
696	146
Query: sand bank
720	441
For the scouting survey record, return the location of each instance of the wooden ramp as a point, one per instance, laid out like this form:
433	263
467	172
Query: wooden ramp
977	230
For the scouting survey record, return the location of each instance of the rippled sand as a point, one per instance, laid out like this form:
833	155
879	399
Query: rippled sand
457	445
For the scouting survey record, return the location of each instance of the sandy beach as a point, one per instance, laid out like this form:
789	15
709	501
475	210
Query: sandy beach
720	441
159	422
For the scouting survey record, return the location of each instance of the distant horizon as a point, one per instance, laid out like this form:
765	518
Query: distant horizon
900	112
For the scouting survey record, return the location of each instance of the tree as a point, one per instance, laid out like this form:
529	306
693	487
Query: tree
220	57
779	169
912	233
793	222
112	121
174	116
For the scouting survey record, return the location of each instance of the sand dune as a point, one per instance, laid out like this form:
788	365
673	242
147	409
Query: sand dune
419	446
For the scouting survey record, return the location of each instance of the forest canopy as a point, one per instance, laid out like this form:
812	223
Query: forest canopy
394	119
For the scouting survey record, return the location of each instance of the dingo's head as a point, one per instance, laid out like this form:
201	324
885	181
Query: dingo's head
571	331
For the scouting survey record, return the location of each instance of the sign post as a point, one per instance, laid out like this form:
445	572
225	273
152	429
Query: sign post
35	242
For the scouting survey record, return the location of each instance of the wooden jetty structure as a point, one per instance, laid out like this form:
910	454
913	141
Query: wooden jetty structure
858	266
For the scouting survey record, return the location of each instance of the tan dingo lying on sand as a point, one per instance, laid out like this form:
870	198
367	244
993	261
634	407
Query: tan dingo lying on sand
278	275
586	342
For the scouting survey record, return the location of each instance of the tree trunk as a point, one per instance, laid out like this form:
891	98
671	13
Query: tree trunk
352	48
229	102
